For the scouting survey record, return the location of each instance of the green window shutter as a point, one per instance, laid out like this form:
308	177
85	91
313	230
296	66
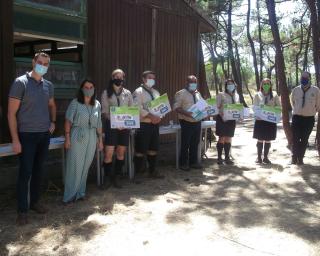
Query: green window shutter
65	76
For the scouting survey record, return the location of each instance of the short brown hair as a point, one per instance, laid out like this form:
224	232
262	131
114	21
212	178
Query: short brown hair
148	72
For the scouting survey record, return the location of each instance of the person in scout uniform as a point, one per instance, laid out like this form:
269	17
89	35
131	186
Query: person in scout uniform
83	132
265	131
147	136
115	139
305	101
31	117
190	128
225	129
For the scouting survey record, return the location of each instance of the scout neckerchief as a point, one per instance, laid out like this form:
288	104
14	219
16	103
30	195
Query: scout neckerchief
304	95
231	97
148	91
266	99
193	95
117	96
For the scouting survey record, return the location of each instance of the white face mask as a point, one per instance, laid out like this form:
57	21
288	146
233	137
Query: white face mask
150	83
230	87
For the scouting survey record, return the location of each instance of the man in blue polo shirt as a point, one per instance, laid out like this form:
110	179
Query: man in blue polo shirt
32	117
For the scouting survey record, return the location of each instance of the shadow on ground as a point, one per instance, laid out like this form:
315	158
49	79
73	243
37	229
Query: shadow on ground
241	196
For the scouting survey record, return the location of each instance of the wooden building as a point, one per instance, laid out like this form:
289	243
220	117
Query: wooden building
93	37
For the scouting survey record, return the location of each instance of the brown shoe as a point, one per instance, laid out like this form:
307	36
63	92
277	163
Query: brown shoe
22	219
38	208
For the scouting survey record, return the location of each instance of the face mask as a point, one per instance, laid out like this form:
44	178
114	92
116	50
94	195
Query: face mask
230	87
266	87
88	92
117	82
150	83
304	81
193	86
40	69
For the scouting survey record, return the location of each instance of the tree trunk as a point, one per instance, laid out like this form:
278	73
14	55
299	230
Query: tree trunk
214	73
254	55
238	63
231	56
260	39
299	53
269	71
306	51
223	68
228	67
277	78
315	37
315	21
286	106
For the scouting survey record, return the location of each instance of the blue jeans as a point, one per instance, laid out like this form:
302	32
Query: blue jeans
35	146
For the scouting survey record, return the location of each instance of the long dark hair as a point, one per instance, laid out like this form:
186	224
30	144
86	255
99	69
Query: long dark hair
226	83
80	95
270	90
110	89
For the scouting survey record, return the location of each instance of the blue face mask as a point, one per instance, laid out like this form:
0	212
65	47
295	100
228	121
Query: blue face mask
150	83
231	87
88	92
304	81
40	69
193	86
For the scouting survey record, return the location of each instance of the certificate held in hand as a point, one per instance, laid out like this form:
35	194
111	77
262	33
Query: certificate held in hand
124	117
232	112
159	106
212	109
268	113
199	110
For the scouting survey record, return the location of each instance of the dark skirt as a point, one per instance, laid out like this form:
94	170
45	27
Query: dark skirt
225	129
264	130
115	137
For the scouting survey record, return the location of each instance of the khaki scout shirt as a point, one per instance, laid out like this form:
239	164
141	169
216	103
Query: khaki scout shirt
141	97
225	98
185	99
311	104
125	99
260	99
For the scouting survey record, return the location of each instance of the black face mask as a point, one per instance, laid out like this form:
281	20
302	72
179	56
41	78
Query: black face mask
117	82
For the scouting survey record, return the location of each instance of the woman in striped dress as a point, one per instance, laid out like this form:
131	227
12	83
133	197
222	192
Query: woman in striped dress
83	131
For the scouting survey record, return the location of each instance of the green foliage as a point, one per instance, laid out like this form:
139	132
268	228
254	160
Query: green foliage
291	16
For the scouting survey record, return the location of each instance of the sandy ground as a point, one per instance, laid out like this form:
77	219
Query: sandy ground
241	210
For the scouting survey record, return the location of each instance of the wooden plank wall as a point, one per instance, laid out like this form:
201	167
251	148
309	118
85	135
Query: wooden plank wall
6	63
120	34
176	53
